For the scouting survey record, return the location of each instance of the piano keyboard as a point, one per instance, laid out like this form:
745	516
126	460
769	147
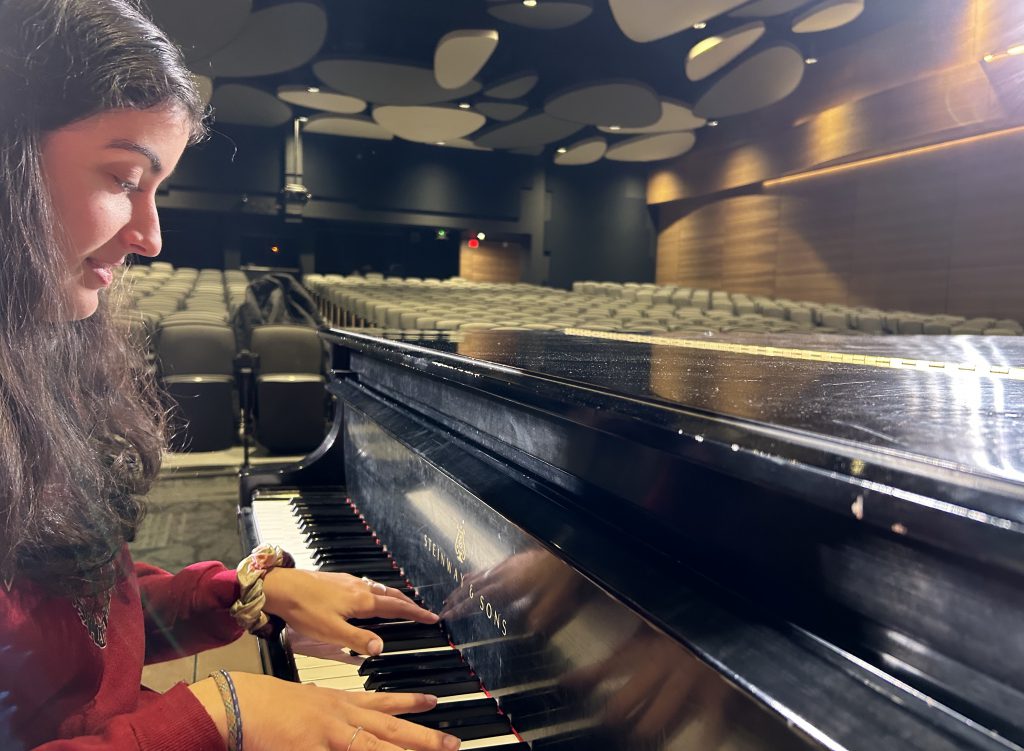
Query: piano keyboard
324	532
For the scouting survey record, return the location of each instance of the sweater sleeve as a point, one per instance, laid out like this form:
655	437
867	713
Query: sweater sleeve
167	722
187	612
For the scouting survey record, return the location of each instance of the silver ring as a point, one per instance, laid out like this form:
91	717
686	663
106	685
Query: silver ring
375	586
353	738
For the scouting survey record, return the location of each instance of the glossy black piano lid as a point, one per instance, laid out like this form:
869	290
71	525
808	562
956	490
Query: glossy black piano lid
958	418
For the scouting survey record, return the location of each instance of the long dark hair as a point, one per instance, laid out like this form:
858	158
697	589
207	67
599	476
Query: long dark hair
81	429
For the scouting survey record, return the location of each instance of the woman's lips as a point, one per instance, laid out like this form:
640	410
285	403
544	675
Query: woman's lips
104	272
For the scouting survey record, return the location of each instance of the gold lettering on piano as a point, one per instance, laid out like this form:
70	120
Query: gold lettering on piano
439	554
460	542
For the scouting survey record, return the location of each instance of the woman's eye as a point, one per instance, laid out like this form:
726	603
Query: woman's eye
127	186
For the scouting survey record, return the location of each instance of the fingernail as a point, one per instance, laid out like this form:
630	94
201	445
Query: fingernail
375	647
452	742
430	700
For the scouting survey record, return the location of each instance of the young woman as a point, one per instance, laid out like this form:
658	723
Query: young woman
96	108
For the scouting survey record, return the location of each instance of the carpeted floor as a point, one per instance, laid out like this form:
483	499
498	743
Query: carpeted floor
190	519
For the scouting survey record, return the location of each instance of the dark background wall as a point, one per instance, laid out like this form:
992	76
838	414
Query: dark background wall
379	204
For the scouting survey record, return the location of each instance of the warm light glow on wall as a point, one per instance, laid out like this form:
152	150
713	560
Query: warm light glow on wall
870	161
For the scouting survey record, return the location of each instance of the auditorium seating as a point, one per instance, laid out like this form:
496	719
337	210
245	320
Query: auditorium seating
290	388
432	306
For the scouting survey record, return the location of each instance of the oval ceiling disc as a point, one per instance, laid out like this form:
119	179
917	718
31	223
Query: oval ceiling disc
631	104
328	101
652	148
247	105
828	15
513	88
386	82
762	79
649	20
277	39
583	152
546	14
460	55
428	124
675	116
710	55
347	127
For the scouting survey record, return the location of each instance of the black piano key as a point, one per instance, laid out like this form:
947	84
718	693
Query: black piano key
372	569
433	676
408	662
440	688
371	556
309	527
463	710
364	542
523	746
341	513
408	630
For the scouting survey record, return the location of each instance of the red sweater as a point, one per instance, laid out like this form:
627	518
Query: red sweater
60	692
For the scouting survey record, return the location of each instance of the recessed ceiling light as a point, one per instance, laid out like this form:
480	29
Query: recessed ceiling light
303	119
464	105
562	150
530	3
700	25
811	60
712	123
440	143
481	236
313	90
989	57
614	127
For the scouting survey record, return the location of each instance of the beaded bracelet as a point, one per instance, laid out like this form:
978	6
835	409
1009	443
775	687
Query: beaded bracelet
248	609
229	696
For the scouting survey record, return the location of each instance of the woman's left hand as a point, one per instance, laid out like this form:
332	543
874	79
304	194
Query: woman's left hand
320	604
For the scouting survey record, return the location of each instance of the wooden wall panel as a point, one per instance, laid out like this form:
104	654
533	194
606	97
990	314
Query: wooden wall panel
492	262
938	230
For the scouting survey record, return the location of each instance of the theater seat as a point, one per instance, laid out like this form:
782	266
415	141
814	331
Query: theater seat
291	414
202	413
287	348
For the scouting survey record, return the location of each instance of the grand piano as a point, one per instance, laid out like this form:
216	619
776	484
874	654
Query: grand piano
644	543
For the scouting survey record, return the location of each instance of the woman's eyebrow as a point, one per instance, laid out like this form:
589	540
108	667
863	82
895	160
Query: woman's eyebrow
138	148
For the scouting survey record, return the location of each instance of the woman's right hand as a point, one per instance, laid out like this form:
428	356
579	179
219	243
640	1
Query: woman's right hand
280	715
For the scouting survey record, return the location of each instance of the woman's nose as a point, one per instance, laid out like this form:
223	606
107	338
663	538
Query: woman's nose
143	231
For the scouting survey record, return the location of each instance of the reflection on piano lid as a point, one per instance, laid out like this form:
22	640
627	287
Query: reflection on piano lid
770	544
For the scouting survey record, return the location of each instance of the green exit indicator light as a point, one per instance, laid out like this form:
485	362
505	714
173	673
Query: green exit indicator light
442	234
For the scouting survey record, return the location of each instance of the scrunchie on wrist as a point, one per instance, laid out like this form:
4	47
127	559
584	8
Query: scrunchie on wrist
248	609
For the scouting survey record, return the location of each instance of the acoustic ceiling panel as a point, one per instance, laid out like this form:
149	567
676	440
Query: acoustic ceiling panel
328	101
528	132
583	152
274	40
767	8
387	83
828	15
710	55
246	105
648	20
503	111
630	104
675	116
461	54
205	84
428	124
762	79
219	23
545	14
652	148
515	87
347	127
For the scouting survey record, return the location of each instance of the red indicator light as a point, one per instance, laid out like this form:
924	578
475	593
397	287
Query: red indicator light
473	243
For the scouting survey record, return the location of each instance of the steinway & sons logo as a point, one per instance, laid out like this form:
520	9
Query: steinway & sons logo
458	575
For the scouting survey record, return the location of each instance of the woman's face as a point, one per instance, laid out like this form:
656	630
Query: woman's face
103	173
